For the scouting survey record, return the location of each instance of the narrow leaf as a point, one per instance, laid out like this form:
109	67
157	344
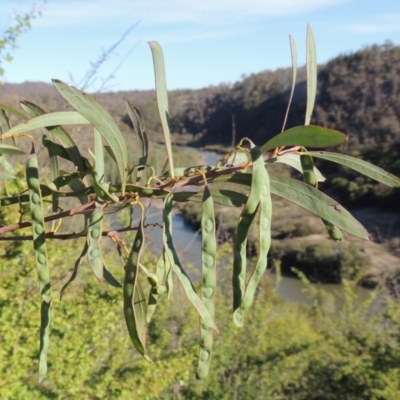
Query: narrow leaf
98	155
13	111
101	120
293	50
361	166
307	136
7	149
309	198
6	176
109	278
139	128
162	98
134	300
311	74
48	120
318	203
293	160
223	197
60	134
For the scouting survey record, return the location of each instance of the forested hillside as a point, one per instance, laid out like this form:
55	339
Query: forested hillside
358	93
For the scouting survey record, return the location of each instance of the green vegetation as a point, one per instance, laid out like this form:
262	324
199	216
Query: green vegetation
97	185
8	37
318	351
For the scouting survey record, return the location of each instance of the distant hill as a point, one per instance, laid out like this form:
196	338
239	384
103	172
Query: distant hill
358	93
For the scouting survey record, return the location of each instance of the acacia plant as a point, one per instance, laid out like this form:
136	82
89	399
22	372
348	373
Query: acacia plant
245	167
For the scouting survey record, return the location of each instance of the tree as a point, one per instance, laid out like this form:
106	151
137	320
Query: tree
86	180
21	24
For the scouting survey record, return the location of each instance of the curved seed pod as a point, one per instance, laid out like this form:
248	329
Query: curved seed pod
44	338
264	244
169	282
333	231
307	165
209	280
38	227
39	246
134	301
93	241
177	267
154	292
94	234
246	218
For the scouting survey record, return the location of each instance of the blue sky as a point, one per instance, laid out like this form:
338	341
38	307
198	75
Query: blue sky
205	42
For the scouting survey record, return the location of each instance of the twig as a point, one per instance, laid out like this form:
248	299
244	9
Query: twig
67	236
189	181
69	213
89	78
197	179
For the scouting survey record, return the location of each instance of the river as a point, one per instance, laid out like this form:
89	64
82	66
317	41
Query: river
188	245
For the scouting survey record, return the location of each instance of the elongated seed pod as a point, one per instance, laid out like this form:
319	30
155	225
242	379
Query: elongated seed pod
208	281
177	267
44	338
93	240
154	293
39	246
169	281
333	231
264	244
38	227
134	300
307	165
246	218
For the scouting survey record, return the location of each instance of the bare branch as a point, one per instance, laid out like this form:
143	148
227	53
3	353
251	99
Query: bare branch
90	77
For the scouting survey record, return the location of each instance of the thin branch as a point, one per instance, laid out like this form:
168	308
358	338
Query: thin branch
88	78
195	180
70	213
114	71
68	236
198	180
